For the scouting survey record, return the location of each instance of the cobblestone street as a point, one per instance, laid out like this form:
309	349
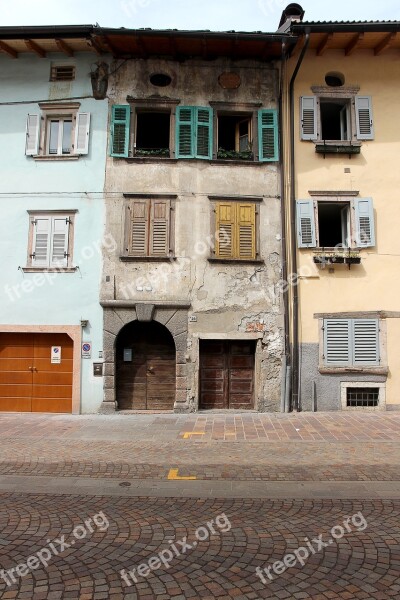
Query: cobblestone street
216	496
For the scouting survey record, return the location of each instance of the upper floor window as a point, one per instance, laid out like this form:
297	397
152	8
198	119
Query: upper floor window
336	115
62	73
335	221
50	239
193	132
236	230
59	131
149	227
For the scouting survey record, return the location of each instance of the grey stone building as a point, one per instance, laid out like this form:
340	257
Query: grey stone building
193	317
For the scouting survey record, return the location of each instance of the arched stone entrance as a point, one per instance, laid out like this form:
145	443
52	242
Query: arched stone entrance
145	367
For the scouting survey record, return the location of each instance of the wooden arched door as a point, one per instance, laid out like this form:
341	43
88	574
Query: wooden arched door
146	367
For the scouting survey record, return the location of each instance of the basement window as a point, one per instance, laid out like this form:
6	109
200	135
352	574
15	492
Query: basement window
363	395
153	131
62	73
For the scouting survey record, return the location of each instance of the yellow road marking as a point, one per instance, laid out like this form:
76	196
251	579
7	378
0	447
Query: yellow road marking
188	434
173	474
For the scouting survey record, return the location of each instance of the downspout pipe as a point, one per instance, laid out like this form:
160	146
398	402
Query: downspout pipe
295	350
284	274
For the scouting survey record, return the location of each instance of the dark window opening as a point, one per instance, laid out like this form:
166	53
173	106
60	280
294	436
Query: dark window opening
160	80
334	79
362	397
62	73
335	120
235	136
333	224
152	134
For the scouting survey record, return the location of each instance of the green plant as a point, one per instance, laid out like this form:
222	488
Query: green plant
234	155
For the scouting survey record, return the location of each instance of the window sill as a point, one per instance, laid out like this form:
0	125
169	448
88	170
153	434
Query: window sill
149	159
247	261
348	370
338	147
46	157
146	258
49	269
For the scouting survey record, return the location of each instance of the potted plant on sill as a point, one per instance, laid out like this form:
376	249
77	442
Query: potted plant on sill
334	257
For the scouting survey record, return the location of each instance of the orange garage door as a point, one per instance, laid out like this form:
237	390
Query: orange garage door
29	382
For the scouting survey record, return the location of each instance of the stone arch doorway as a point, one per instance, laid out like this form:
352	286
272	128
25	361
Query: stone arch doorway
145	367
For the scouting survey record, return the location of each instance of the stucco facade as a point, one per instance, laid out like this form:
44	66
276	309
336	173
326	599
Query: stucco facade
364	66
40	299
193	295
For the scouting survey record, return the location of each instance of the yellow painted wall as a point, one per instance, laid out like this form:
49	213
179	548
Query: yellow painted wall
375	284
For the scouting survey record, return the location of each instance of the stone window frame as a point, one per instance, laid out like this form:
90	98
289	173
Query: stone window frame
51	110
247	109
343	93
363	384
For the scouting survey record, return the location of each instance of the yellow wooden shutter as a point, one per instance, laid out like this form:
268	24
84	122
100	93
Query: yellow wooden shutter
139	228
159	230
246	231
225	228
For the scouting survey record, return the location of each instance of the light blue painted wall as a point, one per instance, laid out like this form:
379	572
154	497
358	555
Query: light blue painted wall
26	184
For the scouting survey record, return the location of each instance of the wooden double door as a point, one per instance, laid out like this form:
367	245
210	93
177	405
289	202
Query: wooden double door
227	374
146	367
29	381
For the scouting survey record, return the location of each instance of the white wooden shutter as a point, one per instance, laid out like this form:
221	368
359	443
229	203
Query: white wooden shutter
82	127
365	222
365	125
337	347
41	241
32	135
59	242
306	224
160	227
366	342
308	118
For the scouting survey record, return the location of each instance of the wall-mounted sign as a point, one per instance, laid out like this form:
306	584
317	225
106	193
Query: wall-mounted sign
55	355
127	354
86	349
98	369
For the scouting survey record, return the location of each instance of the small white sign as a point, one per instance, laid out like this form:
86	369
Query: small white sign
86	349
55	355
127	354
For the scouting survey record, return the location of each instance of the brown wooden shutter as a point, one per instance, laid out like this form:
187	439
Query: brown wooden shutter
225	228
246	231
159	228
139	228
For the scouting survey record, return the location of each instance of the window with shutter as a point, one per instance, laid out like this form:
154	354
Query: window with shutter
32	135
82	133
235	231
194	127
306	235
120	127
50	236
308	121
149	228
268	135
351	342
365	127
365	222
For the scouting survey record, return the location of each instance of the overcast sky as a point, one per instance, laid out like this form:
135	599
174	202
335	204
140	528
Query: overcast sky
217	15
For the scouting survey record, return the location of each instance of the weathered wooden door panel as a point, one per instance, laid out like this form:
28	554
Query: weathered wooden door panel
16	361
148	380
226	375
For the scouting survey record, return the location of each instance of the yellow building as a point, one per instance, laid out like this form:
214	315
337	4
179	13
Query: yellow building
341	146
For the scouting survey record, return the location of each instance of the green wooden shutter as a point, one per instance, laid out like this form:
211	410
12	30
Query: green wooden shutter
203	132
337	342
185	132
365	342
365	223
268	139
120	126
306	237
